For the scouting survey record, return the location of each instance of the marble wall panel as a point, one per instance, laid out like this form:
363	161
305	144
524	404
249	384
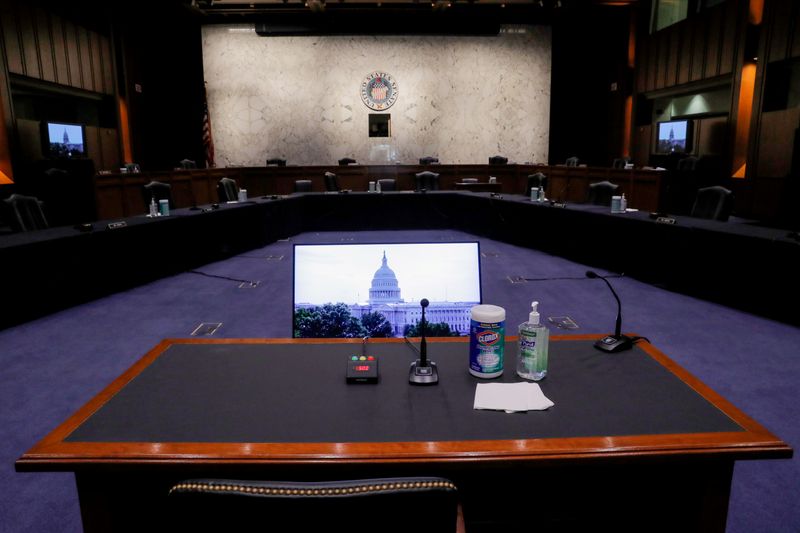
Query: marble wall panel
462	99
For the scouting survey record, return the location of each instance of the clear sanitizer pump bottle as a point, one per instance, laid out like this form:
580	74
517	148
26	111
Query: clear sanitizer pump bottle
153	207
534	339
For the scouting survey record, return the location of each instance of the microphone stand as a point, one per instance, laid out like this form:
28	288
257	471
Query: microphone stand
616	342
422	371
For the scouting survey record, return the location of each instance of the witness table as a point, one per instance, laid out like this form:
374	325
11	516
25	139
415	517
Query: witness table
633	441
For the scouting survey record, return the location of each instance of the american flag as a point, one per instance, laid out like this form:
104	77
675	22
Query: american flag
208	140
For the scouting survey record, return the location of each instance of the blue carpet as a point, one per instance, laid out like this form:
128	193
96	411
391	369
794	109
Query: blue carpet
54	365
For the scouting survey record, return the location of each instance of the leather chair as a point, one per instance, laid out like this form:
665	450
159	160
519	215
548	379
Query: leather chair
331	182
227	190
418	504
24	213
715	203
388	184
302	186
573	161
536	180
687	164
469	180
426	180
158	191
498	160
600	193
187	164
620	162
347	161
428	160
276	161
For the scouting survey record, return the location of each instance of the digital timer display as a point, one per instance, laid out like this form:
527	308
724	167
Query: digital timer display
361	368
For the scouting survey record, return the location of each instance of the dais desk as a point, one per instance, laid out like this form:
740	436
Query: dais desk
633	441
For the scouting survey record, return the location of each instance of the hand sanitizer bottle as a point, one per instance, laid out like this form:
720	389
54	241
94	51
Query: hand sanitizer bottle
533	344
623	204
153	208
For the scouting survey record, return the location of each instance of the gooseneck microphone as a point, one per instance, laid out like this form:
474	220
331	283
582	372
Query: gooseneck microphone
616	342
422	371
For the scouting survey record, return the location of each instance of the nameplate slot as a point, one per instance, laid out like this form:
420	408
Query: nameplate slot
665	220
116	225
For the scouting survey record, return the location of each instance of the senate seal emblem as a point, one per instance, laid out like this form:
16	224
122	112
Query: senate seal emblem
379	91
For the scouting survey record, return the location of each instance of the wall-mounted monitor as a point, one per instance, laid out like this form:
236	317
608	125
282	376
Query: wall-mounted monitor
357	290
674	136
63	141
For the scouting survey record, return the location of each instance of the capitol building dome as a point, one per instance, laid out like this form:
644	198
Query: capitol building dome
384	288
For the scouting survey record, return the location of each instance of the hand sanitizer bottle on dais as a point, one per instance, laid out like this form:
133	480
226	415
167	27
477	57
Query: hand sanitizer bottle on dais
534	339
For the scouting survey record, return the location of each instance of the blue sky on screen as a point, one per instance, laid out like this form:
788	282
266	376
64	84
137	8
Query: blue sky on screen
56	133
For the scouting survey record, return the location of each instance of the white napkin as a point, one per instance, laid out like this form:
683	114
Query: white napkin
511	397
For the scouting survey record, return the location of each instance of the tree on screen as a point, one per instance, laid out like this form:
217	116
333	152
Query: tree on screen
330	320
436	329
376	325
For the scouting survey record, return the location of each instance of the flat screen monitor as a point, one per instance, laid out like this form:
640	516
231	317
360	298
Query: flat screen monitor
358	290
63	141
674	136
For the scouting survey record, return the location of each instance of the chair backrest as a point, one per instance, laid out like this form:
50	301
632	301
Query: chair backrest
572	161
620	162
687	164
498	160
158	191
388	184
276	161
714	203
347	161
187	164
24	213
428	160
426	180
469	180
536	180
302	186
227	190
418	504
331	182
600	193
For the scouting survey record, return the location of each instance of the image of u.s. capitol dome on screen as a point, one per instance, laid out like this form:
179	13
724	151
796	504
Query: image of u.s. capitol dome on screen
375	289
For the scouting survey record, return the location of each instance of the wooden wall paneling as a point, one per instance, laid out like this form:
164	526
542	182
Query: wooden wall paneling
30	140
641	66
641	144
60	56
767	195
775	143
698	50
675	50
30	48
109	197
794	47
45	46
686	52
711	135
97	62
8	20
780	23
109	149
663	59
713	23
108	65
652	63
85	58
73	57
92	141
731	37
133	202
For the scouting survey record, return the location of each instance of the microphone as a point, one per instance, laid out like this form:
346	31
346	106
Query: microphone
422	371
616	342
